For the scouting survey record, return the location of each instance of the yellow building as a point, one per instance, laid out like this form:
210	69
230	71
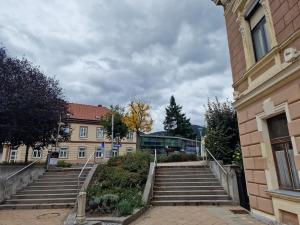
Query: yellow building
87	137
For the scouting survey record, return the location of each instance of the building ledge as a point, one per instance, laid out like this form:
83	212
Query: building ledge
285	194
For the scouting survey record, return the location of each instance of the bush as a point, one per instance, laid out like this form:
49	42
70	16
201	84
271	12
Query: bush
125	208
177	157
124	177
104	204
63	164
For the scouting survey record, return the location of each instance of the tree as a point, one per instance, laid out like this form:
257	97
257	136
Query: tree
120	127
138	118
222	136
176	123
31	104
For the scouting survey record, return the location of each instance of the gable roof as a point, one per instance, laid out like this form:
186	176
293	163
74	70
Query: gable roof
87	112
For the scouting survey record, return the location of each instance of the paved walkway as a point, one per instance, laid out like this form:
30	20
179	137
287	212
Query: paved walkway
33	217
195	215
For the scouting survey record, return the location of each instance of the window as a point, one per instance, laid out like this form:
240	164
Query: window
99	153
13	154
129	150
63	153
130	135
283	153
100	132
37	153
81	152
83	132
259	31
115	153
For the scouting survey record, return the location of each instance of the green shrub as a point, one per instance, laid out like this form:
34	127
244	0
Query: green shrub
63	163
117	187
125	208
177	157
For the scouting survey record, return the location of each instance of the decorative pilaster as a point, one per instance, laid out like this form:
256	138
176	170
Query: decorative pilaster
247	41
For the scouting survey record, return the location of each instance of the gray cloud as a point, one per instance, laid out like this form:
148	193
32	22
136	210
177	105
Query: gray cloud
109	52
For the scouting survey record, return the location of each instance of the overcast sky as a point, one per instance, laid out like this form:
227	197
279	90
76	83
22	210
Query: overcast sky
111	51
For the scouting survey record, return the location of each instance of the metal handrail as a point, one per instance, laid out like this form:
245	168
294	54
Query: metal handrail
217	162
154	161
19	171
222	168
83	168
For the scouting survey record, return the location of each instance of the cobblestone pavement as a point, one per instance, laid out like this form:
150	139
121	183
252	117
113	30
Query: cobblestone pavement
195	215
33	217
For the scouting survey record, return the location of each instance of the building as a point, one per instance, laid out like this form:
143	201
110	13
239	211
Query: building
264	44
87	137
165	144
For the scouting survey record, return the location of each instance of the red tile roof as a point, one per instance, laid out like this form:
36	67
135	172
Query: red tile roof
87	112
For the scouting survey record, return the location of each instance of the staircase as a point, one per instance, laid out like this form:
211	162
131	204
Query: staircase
56	188
187	185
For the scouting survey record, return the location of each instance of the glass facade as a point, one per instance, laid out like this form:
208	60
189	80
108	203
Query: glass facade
164	144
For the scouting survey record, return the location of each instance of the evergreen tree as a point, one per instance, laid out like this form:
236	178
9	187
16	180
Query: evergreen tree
222	137
176	123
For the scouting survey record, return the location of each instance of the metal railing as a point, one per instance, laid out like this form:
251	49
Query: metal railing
17	172
83	168
154	161
222	169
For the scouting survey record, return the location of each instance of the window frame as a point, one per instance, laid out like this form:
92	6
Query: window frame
260	27
285	141
63	149
15	151
97	133
101	150
130	135
129	150
40	152
79	151
86	135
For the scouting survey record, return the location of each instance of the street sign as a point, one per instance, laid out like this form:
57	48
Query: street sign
117	145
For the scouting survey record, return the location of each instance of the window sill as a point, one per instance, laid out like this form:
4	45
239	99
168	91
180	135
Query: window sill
258	65
285	194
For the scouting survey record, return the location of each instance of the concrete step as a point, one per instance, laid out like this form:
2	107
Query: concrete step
187	188
60	179
46	191
53	187
44	196
52	183
183	172
182	166
41	200
190	197
159	169
39	206
194	179
76	169
159	176
190	192
192	202
187	184
62	176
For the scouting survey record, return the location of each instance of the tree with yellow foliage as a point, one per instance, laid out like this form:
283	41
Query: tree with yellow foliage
138	118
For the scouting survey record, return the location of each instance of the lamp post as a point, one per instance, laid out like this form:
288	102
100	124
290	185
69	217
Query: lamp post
60	124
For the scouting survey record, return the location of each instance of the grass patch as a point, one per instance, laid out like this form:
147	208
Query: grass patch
117	187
